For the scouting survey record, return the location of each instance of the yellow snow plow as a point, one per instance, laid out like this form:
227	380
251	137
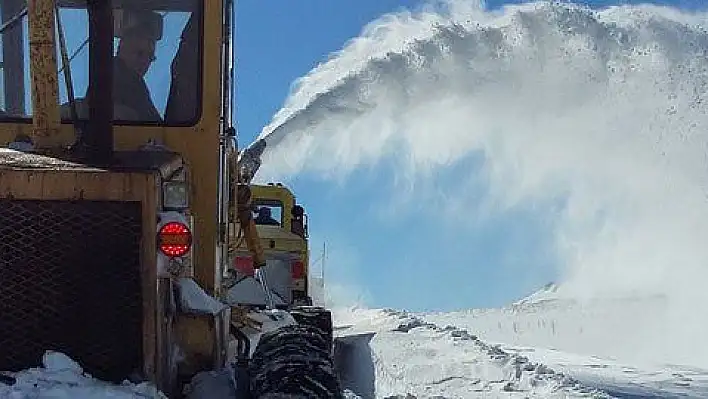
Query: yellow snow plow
128	239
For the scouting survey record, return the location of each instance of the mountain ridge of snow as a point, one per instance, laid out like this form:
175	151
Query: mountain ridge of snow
548	292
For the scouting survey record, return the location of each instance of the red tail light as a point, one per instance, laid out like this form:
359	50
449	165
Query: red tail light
244	264
174	239
297	269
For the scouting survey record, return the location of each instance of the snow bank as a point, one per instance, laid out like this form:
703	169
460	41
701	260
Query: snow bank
629	329
413	356
601	342
62	378
424	360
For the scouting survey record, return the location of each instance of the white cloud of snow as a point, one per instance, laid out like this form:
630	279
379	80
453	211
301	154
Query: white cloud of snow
603	112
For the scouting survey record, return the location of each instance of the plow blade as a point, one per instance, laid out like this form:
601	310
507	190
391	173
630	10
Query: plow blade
354	363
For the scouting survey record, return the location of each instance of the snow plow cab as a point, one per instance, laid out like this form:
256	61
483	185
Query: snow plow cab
283	232
118	190
271	272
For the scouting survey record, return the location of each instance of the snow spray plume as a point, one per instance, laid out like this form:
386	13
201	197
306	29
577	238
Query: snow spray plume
603	111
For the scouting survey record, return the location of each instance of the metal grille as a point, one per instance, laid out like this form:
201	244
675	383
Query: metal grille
70	281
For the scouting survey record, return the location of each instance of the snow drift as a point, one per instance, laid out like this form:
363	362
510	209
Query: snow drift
413	357
602	343
62	378
619	328
596	119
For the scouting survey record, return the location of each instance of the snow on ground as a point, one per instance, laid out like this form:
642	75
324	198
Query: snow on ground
613	344
62	378
621	379
539	347
592	328
428	360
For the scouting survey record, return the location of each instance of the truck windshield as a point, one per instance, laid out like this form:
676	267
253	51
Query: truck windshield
268	212
157	54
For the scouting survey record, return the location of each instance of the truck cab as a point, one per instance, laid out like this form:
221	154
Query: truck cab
121	204
282	227
115	141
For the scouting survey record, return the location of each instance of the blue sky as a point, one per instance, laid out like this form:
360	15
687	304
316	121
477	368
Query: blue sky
404	260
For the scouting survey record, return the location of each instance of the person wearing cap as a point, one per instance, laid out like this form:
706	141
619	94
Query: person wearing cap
265	218
136	52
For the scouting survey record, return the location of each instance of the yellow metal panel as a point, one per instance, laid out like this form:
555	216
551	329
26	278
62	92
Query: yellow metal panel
200	148
198	144
151	333
43	69
74	185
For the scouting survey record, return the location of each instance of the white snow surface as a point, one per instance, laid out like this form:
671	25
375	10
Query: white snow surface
194	299
62	378
600	342
542	346
410	357
421	359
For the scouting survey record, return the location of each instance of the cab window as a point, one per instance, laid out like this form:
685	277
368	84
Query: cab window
157	44
268	213
15	101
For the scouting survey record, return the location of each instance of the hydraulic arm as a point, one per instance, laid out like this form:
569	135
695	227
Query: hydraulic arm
248	164
248	225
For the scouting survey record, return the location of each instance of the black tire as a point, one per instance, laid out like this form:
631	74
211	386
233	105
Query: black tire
293	361
317	317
